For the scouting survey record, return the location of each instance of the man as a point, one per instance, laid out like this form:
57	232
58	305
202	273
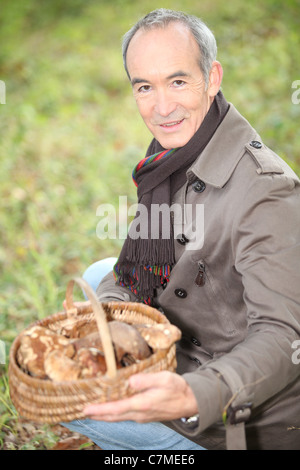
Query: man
233	292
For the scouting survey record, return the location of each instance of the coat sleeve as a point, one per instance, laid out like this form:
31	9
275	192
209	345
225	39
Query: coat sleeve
266	243
108	291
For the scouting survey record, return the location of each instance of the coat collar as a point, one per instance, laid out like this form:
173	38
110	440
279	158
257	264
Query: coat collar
218	160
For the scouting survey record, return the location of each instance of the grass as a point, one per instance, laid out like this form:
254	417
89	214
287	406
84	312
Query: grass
70	132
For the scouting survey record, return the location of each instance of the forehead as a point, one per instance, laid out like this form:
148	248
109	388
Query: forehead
161	48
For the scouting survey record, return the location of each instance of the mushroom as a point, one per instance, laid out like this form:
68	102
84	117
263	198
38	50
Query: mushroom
159	336
91	361
35	344
128	341
125	338
92	340
59	367
78	329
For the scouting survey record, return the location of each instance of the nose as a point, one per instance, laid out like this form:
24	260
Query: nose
164	105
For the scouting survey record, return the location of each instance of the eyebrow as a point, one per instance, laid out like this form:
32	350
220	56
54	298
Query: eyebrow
179	73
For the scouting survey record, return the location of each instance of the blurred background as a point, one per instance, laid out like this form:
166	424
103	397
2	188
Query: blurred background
71	134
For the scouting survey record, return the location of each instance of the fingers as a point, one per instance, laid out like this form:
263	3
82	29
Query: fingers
151	401
140	382
144	385
164	381
135	407
126	409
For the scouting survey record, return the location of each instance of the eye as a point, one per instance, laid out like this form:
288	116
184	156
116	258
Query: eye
178	83
144	89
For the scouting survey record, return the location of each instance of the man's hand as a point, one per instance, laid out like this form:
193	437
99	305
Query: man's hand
160	396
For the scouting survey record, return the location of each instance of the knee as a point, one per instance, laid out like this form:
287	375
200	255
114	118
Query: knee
96	271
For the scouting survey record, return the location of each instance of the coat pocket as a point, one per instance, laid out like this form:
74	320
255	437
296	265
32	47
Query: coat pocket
217	297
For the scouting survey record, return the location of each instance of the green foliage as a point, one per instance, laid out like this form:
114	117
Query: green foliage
8	414
71	134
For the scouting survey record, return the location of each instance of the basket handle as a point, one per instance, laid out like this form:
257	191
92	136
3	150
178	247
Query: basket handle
101	321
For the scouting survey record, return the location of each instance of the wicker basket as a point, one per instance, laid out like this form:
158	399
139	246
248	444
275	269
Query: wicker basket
46	401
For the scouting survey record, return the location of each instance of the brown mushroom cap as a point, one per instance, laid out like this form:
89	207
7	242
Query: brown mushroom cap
59	367
91	361
35	344
92	340
159	336
127	340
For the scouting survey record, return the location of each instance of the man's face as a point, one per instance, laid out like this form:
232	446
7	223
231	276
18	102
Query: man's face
168	84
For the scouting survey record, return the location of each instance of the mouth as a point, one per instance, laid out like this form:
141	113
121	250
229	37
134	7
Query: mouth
171	126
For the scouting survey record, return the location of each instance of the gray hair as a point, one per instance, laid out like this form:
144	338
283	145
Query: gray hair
161	18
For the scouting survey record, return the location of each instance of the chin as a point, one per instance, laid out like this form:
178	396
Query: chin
172	143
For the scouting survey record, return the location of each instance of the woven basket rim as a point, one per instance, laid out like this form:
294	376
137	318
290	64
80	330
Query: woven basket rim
126	307
45	383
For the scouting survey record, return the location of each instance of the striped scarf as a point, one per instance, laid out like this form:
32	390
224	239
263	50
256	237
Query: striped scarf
147	160
145	262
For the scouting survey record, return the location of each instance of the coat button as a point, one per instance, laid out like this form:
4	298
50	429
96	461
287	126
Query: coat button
198	186
182	239
256	144
181	293
195	341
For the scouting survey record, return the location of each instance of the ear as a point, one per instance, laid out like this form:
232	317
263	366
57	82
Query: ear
215	79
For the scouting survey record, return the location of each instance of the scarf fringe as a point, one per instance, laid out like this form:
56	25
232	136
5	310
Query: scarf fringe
145	269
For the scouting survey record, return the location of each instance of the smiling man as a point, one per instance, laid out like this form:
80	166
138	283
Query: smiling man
168	84
235	296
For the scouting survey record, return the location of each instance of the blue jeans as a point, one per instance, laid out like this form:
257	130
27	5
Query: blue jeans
126	435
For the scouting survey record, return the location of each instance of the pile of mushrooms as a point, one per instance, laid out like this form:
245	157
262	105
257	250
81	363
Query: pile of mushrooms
76	351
